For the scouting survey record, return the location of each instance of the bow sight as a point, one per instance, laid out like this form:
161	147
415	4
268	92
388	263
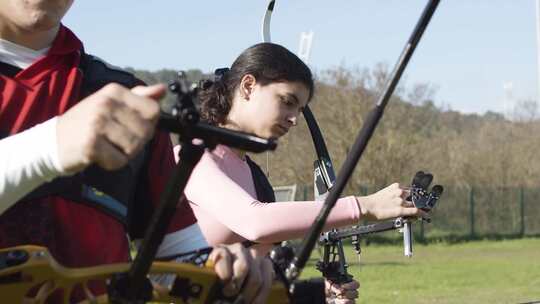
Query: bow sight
333	264
420	195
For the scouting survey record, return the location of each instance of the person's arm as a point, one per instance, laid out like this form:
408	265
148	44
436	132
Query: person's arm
240	270
27	160
107	128
227	202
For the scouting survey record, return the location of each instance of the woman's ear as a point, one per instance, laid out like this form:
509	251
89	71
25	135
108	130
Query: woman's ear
246	86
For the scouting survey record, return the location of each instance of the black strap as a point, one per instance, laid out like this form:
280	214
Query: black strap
265	192
84	194
8	69
97	74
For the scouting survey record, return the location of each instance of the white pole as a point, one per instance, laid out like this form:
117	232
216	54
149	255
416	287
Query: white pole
304	49
538	48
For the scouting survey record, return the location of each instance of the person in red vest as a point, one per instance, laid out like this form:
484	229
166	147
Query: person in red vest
79	149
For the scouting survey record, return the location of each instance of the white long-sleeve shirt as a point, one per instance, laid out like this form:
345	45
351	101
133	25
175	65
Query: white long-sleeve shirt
29	158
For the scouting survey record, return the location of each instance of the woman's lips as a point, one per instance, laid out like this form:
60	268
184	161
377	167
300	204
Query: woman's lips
282	129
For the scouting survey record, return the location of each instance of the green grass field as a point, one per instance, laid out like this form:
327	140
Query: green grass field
505	271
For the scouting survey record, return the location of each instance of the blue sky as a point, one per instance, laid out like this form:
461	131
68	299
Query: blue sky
470	50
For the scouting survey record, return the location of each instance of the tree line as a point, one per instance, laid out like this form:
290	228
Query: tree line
464	150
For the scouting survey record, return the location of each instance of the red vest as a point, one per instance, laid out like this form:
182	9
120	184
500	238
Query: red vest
77	235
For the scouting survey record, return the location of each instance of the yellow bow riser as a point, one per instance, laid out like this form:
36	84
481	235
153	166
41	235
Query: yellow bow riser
40	269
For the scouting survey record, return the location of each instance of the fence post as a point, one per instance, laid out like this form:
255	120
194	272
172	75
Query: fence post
471	211
422	230
522	211
363	190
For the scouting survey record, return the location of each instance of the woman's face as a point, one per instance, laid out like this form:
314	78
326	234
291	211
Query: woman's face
271	110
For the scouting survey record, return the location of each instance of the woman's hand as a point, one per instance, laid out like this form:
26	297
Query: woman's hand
388	203
345	293
242	273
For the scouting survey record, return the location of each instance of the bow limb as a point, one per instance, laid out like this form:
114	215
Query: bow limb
265	29
324	161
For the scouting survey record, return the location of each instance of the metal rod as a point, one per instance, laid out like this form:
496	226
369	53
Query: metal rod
164	212
407	239
538	48
336	235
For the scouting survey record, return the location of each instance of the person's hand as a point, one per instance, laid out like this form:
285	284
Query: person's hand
242	274
108	128
388	203
341	293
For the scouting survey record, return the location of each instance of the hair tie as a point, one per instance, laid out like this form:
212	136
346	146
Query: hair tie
220	73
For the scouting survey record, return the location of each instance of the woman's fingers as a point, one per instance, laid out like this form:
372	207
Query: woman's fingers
267	272
222	258
413	212
389	202
241	272
405	193
254	282
342	293
407	204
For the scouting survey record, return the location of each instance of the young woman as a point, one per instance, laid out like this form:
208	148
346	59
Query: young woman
263	93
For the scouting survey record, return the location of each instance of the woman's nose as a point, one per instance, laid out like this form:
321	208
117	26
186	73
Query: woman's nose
293	120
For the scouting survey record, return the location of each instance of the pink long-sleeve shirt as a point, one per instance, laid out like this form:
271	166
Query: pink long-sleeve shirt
222	194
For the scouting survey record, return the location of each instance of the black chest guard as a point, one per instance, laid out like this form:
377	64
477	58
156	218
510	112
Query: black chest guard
113	192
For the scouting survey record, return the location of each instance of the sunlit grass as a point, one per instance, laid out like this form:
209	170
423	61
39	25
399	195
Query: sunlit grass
474	272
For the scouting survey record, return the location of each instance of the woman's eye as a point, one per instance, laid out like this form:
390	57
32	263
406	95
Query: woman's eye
287	101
